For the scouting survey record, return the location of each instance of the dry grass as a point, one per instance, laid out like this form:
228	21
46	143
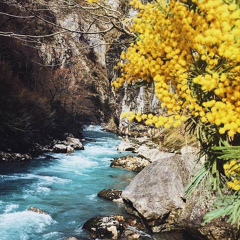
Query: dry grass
175	139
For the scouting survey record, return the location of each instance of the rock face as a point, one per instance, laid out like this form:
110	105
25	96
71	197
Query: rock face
191	219
144	155
140	99
111	126
156	194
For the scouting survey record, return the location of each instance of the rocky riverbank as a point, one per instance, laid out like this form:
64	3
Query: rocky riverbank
155	199
156	196
69	145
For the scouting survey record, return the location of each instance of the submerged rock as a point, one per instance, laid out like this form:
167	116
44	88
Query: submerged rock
38	210
49	157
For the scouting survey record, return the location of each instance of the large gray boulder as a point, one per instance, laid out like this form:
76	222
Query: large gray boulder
157	193
157	196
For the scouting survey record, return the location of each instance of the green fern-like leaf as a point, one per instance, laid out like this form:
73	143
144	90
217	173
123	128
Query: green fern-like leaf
228	206
227	152
198	179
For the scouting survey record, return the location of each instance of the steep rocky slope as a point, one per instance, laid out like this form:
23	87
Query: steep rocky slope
53	69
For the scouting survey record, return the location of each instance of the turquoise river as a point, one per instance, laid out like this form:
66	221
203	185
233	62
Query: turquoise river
66	187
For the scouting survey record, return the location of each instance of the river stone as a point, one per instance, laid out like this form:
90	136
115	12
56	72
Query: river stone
131	163
110	194
74	143
115	227
70	149
156	194
60	148
104	227
125	146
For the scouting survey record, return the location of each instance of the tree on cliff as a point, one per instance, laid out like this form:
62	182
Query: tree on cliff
190	52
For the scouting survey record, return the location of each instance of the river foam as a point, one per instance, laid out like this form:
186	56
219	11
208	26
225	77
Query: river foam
23	224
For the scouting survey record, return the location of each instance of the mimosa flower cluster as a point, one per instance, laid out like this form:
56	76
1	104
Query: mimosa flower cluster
232	171
192	56
92	1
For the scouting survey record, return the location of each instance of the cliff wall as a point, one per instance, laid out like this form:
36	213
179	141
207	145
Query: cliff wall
54	76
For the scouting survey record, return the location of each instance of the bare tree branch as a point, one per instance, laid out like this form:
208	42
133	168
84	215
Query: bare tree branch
111	16
15	16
